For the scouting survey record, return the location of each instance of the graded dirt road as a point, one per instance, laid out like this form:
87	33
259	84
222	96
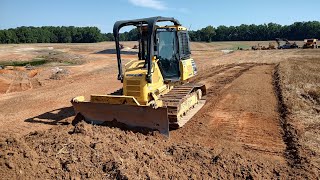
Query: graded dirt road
240	109
237	134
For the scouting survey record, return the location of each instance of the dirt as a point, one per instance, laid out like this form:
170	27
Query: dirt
101	152
4	85
239	133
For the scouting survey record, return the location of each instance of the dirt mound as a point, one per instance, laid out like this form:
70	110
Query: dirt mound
88	151
16	79
17	159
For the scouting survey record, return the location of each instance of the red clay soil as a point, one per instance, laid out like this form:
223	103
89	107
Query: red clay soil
242	114
236	135
4	85
100	152
42	107
18	79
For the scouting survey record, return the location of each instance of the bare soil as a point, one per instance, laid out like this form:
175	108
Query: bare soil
248	128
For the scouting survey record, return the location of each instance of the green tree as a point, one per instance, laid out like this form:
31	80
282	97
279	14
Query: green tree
107	37
133	35
71	34
207	33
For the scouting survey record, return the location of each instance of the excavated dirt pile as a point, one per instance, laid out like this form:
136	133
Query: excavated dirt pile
88	151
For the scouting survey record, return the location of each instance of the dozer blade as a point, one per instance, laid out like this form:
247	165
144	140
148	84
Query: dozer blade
132	116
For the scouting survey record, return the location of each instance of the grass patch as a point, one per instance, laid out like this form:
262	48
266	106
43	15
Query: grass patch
239	46
43	60
63	58
34	62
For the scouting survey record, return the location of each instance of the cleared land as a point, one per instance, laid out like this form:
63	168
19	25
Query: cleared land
261	119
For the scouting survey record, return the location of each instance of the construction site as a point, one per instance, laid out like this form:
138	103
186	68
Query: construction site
158	89
260	119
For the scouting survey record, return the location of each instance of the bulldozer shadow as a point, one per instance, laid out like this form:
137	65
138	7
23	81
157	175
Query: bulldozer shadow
113	51
54	117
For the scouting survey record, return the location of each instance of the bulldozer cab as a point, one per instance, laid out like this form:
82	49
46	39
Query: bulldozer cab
170	46
166	44
167	52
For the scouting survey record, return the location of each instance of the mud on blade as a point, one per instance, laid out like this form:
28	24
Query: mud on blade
132	116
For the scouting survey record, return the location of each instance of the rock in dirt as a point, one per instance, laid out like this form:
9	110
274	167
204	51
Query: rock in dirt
29	67
82	128
9	164
59	73
10	140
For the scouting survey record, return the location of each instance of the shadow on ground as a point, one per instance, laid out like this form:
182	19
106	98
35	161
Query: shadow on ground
113	51
53	117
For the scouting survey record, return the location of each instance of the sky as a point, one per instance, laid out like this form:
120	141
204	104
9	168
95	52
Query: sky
192	14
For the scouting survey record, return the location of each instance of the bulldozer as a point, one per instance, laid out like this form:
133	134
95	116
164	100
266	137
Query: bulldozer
156	92
310	43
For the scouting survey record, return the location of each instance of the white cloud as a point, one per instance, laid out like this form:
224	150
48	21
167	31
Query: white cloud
154	4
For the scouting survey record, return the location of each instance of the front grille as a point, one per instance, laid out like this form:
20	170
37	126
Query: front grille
133	88
133	82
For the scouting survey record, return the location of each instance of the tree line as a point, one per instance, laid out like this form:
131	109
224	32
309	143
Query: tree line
51	34
263	32
71	34
295	31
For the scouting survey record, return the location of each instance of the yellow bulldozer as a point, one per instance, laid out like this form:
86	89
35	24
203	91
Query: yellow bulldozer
156	93
310	43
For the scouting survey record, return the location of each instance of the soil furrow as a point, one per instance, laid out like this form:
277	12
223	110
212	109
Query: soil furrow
290	135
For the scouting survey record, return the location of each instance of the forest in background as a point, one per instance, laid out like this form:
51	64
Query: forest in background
71	34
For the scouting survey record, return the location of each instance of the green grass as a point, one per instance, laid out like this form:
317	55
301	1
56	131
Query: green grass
33	62
243	46
69	63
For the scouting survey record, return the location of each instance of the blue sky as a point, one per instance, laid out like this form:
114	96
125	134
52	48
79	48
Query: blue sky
194	14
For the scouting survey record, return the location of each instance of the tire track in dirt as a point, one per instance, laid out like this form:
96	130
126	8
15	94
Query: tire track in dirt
247	113
241	111
290	135
215	82
212	71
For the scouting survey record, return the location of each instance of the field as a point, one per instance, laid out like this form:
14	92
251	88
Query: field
260	121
